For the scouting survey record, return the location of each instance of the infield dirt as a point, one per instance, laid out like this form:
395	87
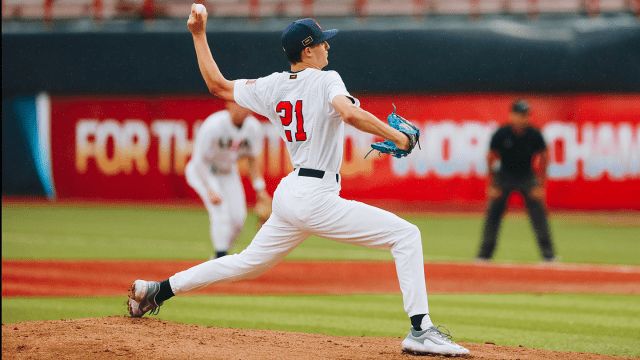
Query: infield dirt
118	337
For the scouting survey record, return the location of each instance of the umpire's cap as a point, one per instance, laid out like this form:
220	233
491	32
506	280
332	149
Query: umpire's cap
520	106
303	33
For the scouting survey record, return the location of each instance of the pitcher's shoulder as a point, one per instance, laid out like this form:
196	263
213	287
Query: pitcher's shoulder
332	73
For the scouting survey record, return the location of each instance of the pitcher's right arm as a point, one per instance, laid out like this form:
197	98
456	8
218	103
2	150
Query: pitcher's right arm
217	84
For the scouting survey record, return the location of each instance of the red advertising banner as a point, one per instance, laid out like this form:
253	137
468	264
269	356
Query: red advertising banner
136	148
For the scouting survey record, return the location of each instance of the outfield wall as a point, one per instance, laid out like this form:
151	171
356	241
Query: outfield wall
124	107
585	55
136	148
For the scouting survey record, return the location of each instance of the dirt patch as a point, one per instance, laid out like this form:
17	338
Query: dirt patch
86	278
126	338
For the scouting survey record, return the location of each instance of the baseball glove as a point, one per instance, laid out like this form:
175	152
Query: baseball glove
404	126
263	209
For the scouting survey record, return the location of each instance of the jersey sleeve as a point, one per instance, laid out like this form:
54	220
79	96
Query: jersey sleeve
249	93
538	142
335	87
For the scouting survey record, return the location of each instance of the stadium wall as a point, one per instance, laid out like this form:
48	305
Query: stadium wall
435	61
98	76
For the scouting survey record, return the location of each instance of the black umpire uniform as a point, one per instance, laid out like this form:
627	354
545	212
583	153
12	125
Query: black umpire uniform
515	146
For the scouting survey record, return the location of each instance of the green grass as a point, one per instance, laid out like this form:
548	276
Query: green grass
65	232
605	324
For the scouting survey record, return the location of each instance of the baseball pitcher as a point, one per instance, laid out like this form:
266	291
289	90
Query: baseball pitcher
309	107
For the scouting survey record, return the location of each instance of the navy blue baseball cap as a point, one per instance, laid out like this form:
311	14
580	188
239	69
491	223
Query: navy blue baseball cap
520	106
303	33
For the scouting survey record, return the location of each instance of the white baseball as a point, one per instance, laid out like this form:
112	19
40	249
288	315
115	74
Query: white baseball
200	9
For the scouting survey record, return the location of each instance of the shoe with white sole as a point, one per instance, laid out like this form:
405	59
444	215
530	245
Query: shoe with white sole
142	298
432	341
134	308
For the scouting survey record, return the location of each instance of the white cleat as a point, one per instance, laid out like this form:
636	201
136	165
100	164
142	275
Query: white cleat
134	308
431	341
142	298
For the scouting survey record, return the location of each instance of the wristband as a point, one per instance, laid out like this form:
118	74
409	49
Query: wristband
259	184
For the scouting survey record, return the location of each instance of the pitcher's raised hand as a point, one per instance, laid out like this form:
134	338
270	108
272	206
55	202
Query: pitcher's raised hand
197	22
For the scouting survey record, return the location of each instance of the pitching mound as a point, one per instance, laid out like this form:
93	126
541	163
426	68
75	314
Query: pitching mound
127	338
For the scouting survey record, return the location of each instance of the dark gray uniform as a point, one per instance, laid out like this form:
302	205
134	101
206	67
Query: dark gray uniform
516	174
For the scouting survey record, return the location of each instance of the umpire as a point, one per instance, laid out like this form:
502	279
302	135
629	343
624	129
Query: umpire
514	146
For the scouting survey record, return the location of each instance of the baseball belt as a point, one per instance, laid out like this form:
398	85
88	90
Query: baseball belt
314	173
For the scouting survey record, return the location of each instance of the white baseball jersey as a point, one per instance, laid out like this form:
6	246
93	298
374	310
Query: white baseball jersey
219	143
300	106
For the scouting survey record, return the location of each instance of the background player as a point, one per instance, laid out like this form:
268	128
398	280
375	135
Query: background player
309	108
515	145
212	172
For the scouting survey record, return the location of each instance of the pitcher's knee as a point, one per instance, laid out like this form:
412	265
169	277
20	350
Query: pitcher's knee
415	235
254	266
408	229
410	236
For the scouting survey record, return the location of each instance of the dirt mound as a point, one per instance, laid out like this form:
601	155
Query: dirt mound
127	338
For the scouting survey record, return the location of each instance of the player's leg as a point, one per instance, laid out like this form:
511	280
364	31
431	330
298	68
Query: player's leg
272	243
361	224
539	221
314	205
492	221
219	223
277	237
236	204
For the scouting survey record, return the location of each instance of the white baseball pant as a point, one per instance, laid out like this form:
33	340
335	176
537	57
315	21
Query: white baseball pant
227	218
303	206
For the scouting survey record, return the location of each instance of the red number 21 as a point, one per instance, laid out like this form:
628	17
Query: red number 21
284	110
